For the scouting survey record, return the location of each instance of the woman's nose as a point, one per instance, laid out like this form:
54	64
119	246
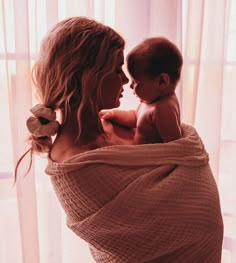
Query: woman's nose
125	79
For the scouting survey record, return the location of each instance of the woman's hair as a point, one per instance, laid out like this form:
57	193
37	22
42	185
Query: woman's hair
75	56
157	55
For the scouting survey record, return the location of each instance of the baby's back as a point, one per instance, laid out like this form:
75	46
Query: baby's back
159	121
146	131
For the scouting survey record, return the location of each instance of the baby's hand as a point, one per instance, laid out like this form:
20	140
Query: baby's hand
106	114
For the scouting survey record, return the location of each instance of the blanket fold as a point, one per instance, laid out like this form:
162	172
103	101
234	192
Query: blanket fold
143	203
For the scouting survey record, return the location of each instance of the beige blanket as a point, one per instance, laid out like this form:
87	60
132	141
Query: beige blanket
143	203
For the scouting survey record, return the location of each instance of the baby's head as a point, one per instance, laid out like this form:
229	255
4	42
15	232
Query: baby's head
156	60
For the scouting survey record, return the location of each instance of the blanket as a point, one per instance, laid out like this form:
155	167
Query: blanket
143	203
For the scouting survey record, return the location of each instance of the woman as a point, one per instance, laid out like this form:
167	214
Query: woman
131	203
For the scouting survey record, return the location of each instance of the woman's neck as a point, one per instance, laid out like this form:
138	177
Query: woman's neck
84	135
71	141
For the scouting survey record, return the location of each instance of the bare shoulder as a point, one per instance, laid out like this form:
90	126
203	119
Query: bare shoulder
166	108
167	101
167	104
62	151
64	148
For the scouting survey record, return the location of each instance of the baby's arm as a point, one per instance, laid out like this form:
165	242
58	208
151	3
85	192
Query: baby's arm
121	117
167	121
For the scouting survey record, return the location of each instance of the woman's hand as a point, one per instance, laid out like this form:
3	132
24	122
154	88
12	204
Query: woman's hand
118	134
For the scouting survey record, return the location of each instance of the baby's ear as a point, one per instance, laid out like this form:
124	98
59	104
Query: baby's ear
164	80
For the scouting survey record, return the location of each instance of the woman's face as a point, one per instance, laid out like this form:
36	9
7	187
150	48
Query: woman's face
112	85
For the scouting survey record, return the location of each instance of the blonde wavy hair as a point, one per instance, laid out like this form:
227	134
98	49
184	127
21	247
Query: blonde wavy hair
75	56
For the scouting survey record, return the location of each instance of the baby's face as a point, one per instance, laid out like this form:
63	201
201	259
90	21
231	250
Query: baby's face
144	87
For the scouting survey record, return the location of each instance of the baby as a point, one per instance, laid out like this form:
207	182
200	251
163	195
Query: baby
155	67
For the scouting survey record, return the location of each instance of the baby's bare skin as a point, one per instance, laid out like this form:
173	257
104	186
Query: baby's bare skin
155	127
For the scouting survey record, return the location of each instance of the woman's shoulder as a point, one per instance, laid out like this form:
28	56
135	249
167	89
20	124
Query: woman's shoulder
60	152
63	148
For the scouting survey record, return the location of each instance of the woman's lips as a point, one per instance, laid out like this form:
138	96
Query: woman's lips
121	93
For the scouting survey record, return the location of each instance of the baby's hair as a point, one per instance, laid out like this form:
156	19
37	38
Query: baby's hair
75	56
157	55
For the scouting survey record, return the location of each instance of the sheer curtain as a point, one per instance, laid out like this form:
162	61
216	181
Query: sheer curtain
32	223
208	94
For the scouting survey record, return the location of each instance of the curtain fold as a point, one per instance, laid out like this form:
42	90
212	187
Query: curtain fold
20	100
194	15
203	72
32	223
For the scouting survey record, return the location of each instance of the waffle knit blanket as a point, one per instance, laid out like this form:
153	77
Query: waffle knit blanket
143	203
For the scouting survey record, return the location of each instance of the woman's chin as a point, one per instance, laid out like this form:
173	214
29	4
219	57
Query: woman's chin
116	105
